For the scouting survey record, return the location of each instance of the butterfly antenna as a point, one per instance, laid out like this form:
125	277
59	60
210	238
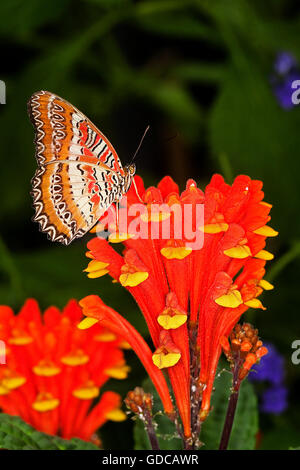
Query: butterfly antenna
140	144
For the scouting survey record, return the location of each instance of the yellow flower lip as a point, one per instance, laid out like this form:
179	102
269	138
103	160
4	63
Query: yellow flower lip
74	359
266	231
118	372
45	402
175	252
96	269
87	392
97	274
118	237
214	227
44	369
171	322
124	345
265	255
95	265
155	216
89	254
255	303
266	285
13	382
116	415
105	337
3	390
167	354
165	359
172	316
263	203
239	252
133	279
20	340
232	299
87	322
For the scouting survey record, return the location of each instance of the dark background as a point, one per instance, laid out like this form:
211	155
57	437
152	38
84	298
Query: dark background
199	73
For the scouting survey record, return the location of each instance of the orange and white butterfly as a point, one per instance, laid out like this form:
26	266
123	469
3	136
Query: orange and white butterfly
79	173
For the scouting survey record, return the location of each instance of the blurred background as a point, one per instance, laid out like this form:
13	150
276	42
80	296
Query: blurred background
213	80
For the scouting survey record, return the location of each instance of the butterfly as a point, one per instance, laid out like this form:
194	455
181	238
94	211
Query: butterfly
79	173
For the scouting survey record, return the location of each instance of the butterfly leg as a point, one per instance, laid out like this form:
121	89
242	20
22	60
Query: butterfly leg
117	215
136	190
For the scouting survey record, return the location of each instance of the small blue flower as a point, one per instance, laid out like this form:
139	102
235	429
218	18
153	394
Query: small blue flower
286	71
284	63
270	368
274	400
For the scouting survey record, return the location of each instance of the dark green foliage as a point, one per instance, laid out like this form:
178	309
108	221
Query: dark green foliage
245	426
244	430
167	436
17	435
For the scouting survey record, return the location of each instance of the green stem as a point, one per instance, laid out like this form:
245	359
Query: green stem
225	167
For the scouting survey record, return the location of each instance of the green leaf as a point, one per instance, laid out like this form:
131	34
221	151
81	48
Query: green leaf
245	424
244	429
19	18
15	434
198	72
177	102
238	129
166	431
110	4
282	432
179	25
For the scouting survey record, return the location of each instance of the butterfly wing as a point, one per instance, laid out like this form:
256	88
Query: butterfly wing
77	177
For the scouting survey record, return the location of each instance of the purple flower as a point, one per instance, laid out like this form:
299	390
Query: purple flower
270	367
283	90
284	63
274	400
286	71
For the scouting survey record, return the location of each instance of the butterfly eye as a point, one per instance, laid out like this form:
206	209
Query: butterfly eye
132	169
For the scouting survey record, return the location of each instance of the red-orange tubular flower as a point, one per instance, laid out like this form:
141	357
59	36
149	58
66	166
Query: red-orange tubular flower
54	371
191	294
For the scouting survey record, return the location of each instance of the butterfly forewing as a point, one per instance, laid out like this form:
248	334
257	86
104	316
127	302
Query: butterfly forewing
79	171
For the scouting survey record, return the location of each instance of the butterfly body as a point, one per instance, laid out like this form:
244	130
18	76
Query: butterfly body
79	173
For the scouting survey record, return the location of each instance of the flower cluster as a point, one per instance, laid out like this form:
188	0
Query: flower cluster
244	350
190	295
140	403
137	400
54	372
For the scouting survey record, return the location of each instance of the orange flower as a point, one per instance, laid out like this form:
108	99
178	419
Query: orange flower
54	371
191	296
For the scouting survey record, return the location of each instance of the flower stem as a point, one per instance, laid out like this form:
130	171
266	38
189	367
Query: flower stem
195	392
236	382
150	431
229	420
